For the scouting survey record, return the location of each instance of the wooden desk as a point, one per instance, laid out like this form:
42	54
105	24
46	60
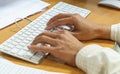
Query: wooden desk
99	15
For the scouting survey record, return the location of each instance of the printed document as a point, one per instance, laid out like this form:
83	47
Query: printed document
10	10
7	67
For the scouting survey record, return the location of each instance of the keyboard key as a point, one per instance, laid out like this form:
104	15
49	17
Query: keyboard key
15	50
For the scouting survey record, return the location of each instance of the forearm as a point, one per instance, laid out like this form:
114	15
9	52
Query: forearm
109	32
94	59
103	31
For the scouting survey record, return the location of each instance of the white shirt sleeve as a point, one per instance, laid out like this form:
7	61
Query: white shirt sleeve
115	32
94	59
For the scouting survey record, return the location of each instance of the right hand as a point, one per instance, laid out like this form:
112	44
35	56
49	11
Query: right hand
64	45
83	29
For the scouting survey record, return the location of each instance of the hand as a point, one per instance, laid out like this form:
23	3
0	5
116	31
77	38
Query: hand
64	45
83	29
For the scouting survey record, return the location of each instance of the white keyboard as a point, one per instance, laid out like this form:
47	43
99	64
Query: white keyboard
17	44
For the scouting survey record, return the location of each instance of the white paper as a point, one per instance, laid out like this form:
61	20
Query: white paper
7	67
10	10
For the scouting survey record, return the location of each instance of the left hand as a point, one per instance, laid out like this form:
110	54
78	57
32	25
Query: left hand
64	45
83	28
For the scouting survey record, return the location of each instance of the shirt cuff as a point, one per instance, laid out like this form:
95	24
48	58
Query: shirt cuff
84	52
115	32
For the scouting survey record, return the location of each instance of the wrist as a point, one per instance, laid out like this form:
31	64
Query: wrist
103	31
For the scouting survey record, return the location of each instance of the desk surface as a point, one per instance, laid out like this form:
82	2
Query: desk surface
99	14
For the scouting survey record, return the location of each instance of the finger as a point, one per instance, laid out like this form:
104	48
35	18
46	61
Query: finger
44	49
41	34
55	35
44	39
59	16
59	22
64	34
47	33
50	34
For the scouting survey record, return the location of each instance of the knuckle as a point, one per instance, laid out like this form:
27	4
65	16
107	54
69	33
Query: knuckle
61	35
60	14
58	21
64	31
37	36
44	33
41	37
61	41
75	15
